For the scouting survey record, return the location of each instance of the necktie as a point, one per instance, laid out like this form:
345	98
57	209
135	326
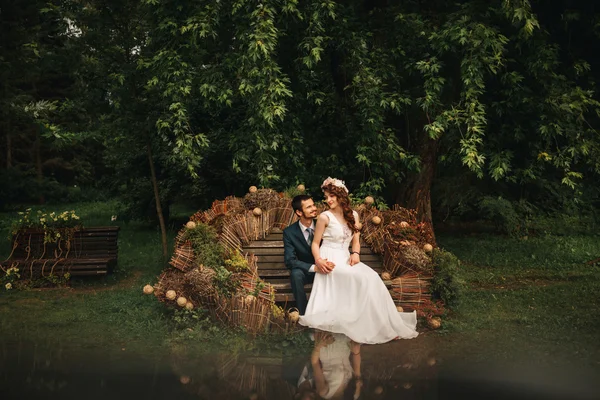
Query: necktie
311	235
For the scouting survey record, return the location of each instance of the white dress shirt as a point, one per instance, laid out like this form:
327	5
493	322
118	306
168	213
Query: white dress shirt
305	232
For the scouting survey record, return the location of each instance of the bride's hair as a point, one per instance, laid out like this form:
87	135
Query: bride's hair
344	202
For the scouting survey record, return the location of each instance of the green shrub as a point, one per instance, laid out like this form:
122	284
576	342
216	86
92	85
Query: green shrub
206	247
447	285
502	213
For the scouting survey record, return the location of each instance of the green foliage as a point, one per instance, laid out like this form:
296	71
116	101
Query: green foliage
501	212
57	280
55	225
236	263
224	282
207	250
447	283
9	278
292	192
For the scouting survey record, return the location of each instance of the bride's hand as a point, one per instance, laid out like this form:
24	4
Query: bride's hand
354	259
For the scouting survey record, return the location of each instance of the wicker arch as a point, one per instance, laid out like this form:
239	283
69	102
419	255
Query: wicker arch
394	234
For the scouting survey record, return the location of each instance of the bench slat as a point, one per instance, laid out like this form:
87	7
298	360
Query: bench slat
257	251
366	258
280	265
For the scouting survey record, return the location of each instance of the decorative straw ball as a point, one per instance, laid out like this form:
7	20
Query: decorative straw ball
399	308
376	220
369	200
181	301
171	295
184	379
189	305
148	289
434	323
294	316
407	385
253	189
378	390
431	361
404	224
257	212
386	276
250	298
190	225
428	248
301	187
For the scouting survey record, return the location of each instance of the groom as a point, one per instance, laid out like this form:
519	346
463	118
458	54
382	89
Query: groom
298	258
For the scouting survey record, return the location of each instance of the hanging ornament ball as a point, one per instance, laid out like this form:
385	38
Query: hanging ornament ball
404	224
184	379
148	289
434	323
378	390
386	276
407	385
171	295
250	298
257	212
294	316
428	248
369	200
189	305
376	220
399	308
190	225
301	188
181	301
253	189
431	361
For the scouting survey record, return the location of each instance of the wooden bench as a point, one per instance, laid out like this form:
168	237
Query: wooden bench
92	251
272	269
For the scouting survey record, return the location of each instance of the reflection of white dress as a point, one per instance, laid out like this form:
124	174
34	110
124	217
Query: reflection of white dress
353	299
335	362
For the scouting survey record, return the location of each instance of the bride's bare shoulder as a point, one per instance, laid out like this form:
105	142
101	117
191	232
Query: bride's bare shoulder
324	217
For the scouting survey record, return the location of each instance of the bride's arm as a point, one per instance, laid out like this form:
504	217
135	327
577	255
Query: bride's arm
322	222
355	253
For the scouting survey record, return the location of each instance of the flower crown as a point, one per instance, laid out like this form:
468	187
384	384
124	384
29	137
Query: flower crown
334	182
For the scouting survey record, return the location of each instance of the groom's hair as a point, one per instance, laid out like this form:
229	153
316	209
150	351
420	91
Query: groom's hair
297	202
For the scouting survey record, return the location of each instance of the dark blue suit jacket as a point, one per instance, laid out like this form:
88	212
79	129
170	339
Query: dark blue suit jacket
296	251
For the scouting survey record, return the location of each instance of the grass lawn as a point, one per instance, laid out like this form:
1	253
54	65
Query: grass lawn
532	298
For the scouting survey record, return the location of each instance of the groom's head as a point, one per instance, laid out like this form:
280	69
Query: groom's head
304	206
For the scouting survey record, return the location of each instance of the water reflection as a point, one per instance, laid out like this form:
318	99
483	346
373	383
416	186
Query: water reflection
333	371
334	368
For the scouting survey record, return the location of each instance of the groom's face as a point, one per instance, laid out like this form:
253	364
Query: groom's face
309	210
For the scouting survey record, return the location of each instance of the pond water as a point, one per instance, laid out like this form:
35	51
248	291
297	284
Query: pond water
334	368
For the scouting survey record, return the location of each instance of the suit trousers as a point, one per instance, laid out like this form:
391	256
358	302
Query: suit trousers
299	278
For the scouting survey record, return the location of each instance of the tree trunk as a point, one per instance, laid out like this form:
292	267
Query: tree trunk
8	150
37	149
415	190
159	212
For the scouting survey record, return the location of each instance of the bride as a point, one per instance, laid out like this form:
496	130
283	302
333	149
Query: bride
351	299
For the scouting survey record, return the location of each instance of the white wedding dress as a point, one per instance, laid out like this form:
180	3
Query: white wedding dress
353	300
